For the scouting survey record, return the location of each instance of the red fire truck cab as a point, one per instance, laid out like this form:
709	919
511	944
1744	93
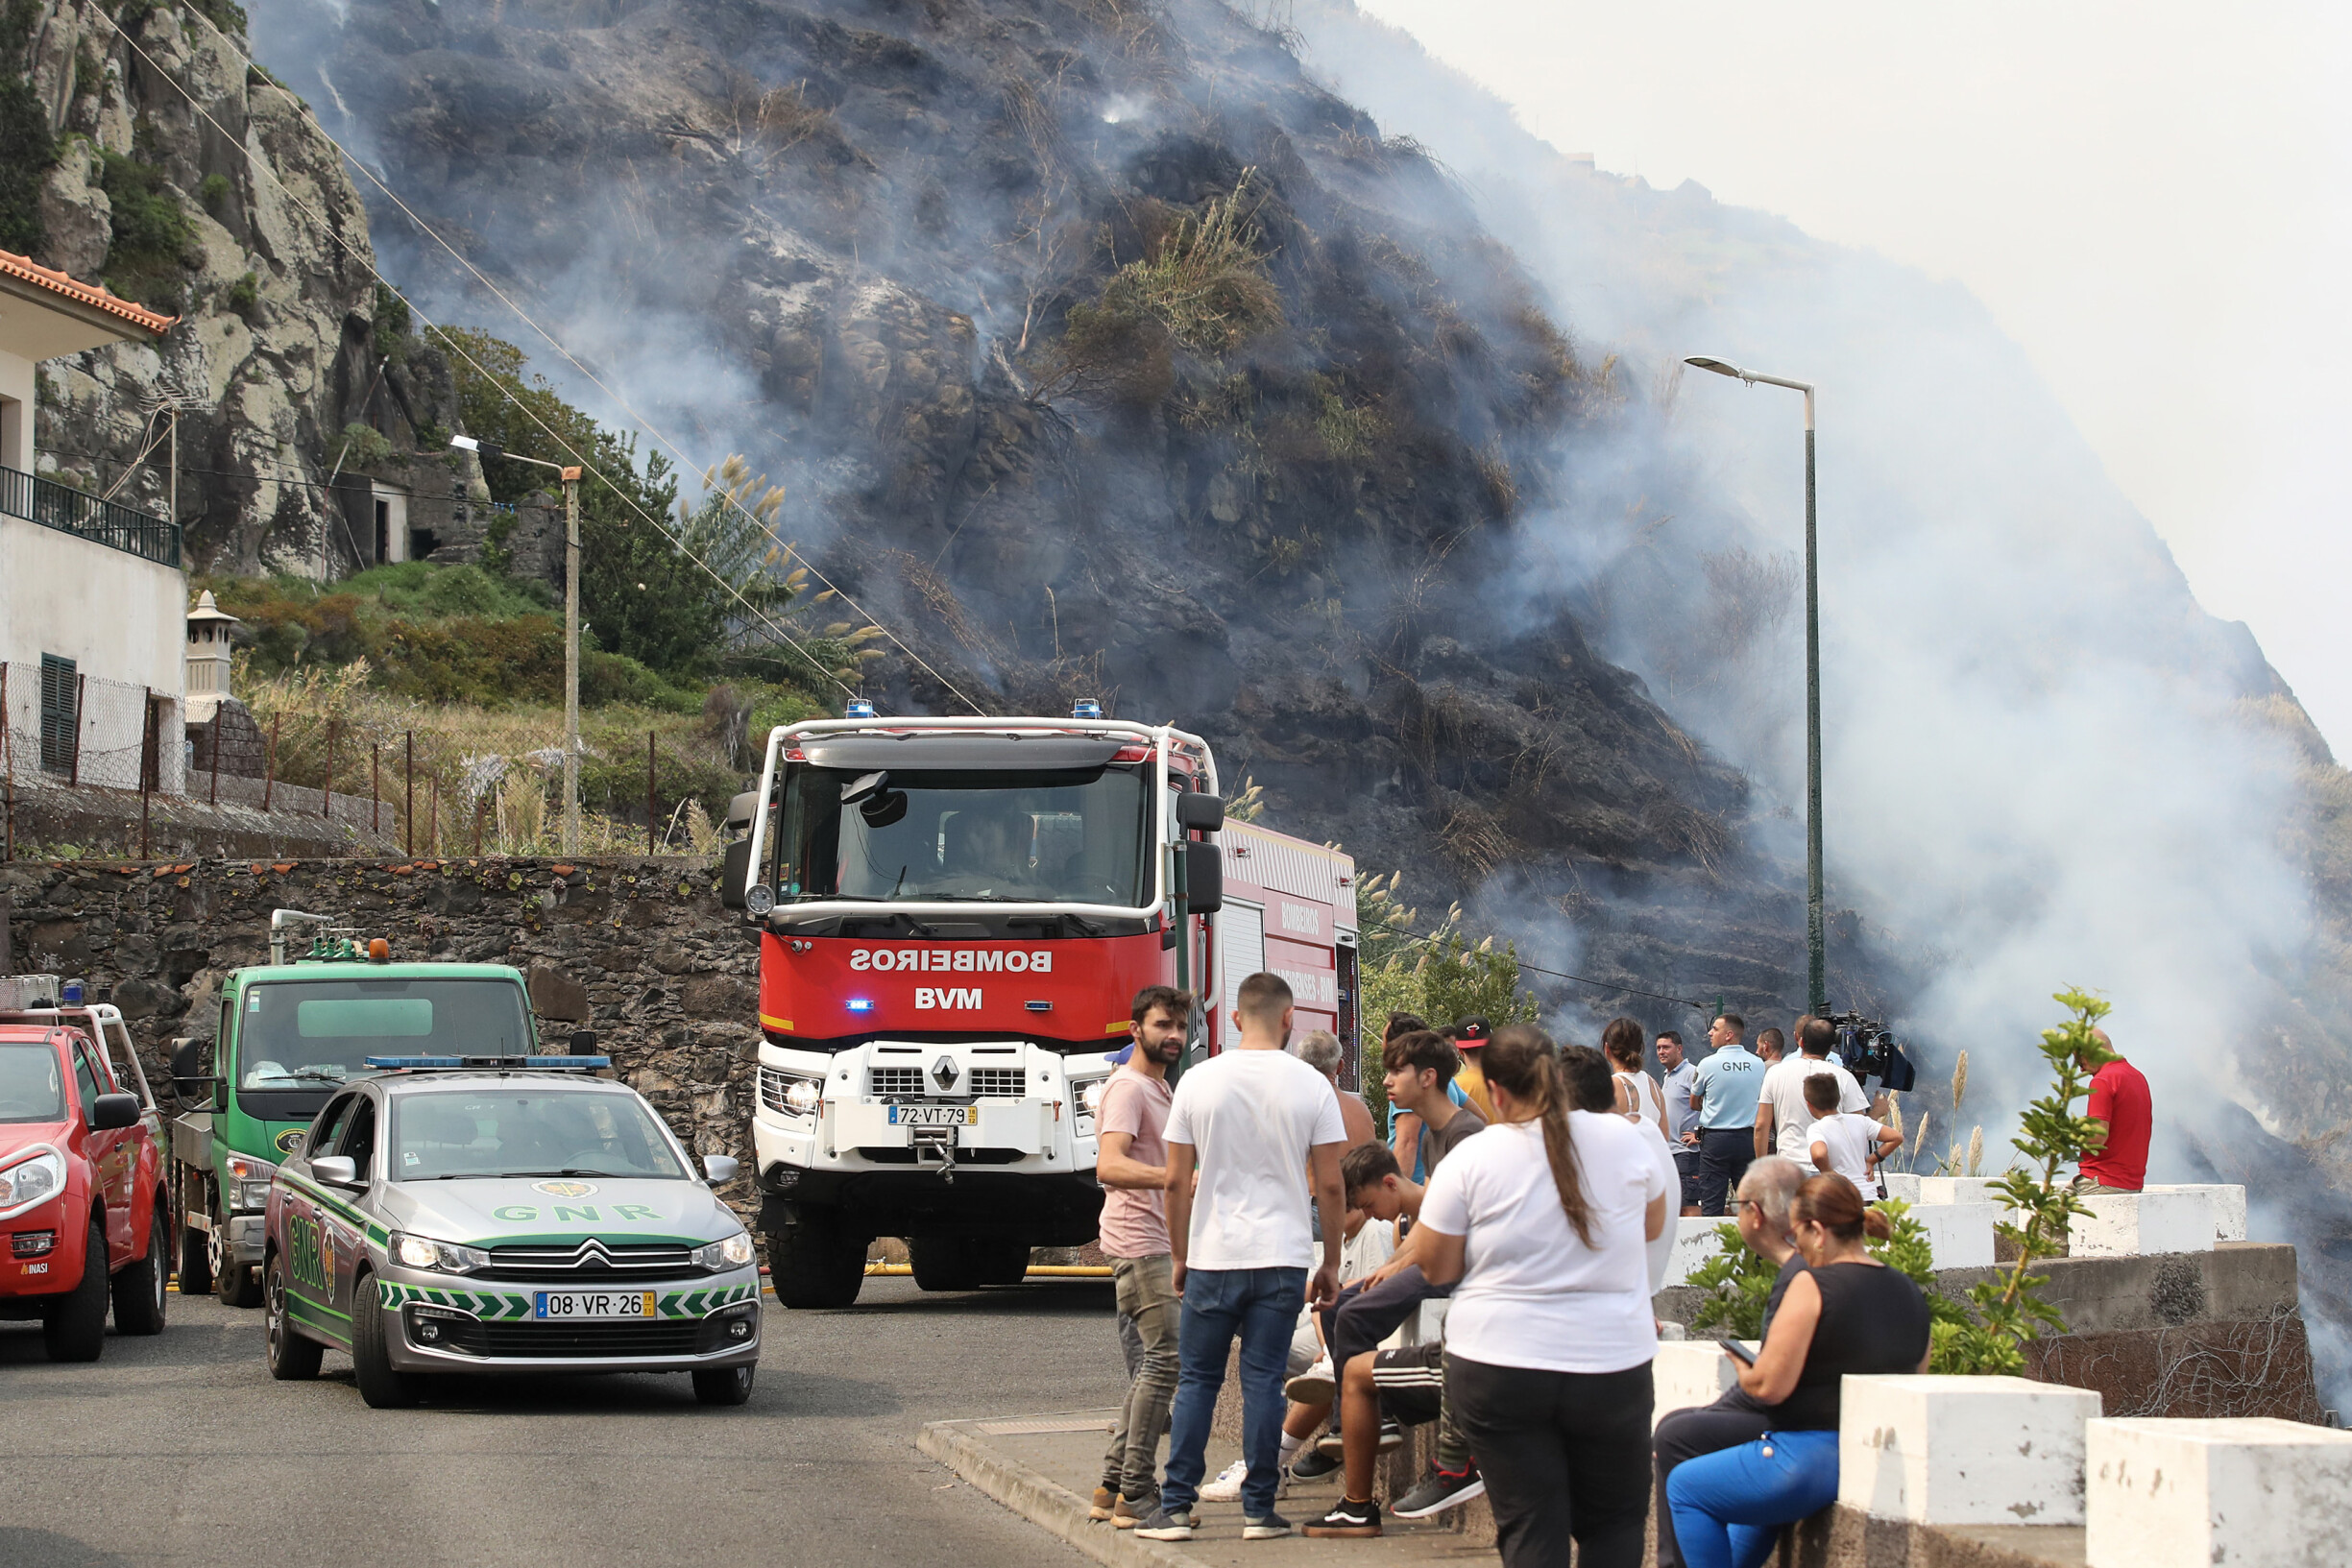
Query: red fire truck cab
954	917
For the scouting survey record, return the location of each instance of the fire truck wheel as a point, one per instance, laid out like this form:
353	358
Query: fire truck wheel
816	1265
75	1329
195	1261
947	1263
139	1290
1002	1262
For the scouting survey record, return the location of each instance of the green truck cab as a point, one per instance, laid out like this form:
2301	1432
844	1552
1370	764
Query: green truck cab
292	1032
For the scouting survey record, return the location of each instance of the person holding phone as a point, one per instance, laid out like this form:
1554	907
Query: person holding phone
1845	1313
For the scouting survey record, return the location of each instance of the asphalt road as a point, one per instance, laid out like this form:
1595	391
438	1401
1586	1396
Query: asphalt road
181	1449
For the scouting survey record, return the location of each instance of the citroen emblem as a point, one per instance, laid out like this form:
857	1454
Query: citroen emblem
943	1072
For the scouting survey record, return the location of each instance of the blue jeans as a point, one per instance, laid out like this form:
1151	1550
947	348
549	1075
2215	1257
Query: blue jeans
1262	1306
1728	1506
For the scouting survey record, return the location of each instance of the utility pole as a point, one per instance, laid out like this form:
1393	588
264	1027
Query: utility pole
571	661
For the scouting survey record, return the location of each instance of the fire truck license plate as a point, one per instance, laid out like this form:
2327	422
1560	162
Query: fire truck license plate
934	1116
575	1304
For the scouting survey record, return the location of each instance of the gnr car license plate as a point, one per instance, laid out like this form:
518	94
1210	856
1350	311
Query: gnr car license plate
934	1116
571	1305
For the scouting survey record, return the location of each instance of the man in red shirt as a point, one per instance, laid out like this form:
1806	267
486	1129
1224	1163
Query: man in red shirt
2119	1098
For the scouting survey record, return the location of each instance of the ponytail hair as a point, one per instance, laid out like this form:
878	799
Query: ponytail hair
1831	1201
1621	1042
1521	1061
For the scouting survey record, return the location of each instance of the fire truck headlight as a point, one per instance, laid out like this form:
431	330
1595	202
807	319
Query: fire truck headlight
759	898
1089	1095
803	1096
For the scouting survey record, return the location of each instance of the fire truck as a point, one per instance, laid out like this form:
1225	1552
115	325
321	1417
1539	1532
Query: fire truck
954	918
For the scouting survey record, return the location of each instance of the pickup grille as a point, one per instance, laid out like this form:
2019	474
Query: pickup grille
998	1083
591	1261
895	1080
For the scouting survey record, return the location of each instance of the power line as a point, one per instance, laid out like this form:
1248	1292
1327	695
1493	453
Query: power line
1564	975
560	444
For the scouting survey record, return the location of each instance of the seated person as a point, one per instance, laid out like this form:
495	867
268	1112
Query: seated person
988	855
1846	1312
1847	1143
1766	1194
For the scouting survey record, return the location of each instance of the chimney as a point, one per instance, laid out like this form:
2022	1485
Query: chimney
208	656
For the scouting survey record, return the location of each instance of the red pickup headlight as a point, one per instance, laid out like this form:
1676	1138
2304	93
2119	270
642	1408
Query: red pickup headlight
37	1178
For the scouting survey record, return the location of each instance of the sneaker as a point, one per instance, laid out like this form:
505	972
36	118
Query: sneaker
1129	1512
1164	1525
1228	1483
1313	1387
1440	1490
1105	1498
1266	1527
1349	1518
1313	1465
1333	1446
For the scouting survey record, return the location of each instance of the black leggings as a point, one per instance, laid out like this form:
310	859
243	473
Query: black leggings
1565	1456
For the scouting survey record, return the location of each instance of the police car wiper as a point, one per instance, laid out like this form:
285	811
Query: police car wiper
300	1073
568	1171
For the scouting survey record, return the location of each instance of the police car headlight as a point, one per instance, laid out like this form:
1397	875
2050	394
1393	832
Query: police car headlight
423	1252
732	1253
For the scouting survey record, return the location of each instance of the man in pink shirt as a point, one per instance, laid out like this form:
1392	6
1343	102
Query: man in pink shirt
1132	1162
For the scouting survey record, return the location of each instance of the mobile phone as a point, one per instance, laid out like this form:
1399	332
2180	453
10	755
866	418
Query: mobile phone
1738	1352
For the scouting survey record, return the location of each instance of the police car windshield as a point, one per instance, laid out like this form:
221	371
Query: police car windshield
32	1089
491	1132
1070	836
296	1034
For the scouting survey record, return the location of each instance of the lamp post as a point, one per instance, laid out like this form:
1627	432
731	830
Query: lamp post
572	625
1817	967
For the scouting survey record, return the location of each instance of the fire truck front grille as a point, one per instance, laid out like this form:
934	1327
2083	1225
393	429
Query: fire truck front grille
771	1088
895	1080
998	1083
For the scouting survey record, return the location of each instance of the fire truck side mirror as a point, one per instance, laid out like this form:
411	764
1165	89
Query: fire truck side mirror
733	870
1204	878
741	810
1201	813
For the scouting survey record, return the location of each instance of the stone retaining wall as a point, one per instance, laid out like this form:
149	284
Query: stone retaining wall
638	950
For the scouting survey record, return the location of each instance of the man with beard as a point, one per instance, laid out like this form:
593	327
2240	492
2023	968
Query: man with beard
1132	1162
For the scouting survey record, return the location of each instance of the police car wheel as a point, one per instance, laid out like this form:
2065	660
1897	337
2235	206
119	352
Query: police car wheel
724	1385
292	1357
383	1387
75	1328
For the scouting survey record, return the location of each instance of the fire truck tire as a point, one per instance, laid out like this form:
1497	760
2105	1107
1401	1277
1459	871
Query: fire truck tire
232	1282
816	1265
75	1329
195	1261
1002	1262
139	1290
947	1263
383	1387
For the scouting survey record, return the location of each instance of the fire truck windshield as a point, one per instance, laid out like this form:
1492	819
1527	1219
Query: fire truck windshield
1073	836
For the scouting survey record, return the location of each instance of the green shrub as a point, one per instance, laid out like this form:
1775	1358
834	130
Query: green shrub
27	151
361	448
244	296
391	323
214	194
154	242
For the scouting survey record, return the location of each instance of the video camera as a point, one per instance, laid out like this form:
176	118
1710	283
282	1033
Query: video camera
1868	1049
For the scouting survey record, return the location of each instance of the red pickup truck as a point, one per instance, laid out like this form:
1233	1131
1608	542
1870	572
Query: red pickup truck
82	1211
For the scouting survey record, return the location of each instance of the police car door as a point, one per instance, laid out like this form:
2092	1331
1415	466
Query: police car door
301	1230
359	1145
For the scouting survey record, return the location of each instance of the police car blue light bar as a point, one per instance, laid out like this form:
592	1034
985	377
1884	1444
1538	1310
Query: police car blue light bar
551	1064
859	708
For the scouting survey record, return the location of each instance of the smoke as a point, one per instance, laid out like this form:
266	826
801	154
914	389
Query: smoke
2043	765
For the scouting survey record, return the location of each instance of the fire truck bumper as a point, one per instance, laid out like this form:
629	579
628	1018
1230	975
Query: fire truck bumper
1061	1209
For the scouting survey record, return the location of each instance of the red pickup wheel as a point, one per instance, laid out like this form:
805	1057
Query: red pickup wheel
139	1290
75	1328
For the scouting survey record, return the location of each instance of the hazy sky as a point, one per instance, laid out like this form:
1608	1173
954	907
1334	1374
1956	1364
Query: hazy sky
2154	199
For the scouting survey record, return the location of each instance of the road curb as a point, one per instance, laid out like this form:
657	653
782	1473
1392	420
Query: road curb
1042	1501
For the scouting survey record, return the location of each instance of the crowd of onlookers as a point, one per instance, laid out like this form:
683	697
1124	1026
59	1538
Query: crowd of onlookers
1515	1220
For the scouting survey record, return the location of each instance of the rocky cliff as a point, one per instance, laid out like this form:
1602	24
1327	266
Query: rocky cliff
183	177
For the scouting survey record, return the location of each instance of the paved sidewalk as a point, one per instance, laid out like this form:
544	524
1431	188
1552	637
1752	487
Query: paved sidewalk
1044	1468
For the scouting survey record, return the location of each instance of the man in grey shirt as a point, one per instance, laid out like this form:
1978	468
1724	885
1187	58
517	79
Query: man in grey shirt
1682	1075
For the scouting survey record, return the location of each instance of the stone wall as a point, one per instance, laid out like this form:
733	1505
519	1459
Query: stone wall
637	949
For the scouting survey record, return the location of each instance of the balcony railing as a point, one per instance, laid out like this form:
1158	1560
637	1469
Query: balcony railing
69	511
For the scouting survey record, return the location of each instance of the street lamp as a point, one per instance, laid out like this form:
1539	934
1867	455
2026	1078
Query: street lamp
1817	979
572	624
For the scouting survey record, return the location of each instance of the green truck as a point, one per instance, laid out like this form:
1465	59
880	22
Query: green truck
290	1035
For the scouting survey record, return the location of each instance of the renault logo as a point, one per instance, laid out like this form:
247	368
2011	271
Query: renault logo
943	1072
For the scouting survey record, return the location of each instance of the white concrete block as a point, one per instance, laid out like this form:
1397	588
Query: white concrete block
1693	1245
1963	1450
1900	1184
2246	1493
2140	1224
2226	1202
1959	1235
1959	1190
1688	1373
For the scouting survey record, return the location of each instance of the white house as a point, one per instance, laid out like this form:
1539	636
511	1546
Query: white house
93	595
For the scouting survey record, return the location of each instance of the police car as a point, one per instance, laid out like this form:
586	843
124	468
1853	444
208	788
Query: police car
460	1215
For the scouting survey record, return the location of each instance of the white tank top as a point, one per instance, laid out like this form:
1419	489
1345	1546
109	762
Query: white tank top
1649	1106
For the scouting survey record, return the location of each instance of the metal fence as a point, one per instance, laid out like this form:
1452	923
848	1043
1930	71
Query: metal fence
70	511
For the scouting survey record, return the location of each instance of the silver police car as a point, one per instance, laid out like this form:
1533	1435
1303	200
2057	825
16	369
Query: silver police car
502	1215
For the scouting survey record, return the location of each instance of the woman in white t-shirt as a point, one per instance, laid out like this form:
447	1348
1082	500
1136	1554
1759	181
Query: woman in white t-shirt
1542	1219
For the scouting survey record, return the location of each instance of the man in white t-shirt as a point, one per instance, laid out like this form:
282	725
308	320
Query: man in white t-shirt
1782	1116
1250	1122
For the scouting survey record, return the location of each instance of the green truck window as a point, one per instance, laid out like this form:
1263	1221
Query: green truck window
385	1017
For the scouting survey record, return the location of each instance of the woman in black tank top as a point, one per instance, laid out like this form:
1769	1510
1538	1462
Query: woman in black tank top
1847	1312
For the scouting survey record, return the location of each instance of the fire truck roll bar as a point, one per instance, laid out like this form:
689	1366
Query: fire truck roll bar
1162	739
